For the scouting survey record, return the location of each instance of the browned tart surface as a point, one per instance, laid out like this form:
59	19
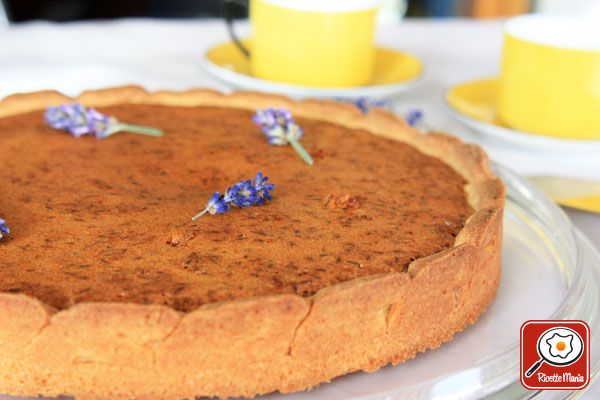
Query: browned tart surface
109	220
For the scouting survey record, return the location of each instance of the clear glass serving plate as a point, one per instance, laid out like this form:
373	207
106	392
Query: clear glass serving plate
550	270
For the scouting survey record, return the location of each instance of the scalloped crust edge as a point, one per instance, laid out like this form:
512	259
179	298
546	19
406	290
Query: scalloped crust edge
280	343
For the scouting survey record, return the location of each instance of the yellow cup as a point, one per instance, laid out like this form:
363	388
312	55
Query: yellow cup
550	76
326	43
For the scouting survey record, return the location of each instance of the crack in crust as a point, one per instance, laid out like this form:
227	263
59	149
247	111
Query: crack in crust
298	326
103	350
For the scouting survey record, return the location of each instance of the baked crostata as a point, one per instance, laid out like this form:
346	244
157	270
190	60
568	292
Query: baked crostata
386	246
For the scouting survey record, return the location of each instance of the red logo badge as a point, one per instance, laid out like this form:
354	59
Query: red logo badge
555	354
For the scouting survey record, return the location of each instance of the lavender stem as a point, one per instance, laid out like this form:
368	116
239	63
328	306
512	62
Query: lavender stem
300	150
201	213
144	130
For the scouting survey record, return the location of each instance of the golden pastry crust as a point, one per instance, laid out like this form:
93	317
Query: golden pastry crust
259	345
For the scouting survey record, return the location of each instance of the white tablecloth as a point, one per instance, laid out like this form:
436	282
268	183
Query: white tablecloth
164	55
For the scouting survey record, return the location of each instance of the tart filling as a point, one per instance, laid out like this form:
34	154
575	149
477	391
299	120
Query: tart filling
109	220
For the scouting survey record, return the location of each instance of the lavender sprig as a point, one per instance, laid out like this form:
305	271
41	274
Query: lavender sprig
413	117
281	129
80	120
251	192
365	104
4	230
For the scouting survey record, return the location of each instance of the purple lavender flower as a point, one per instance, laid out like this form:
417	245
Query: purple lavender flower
365	104
80	120
4	230
71	117
246	195
281	129
275	124
263	189
251	192
413	117
99	124
232	193
216	205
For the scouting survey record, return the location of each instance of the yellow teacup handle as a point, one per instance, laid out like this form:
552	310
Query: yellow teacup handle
231	9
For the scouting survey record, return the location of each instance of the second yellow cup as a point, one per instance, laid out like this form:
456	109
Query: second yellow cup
550	78
326	43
